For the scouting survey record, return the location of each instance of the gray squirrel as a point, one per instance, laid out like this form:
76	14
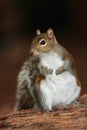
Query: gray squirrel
49	77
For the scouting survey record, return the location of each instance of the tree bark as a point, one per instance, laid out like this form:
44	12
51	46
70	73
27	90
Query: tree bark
70	117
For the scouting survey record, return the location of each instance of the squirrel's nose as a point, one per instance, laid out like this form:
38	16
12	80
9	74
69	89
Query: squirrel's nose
31	53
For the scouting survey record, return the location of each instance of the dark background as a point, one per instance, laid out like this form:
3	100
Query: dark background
19	20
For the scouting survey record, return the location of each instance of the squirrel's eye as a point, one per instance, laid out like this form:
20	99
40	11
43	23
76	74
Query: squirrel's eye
43	42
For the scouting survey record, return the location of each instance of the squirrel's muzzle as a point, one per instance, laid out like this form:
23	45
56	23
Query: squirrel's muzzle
33	52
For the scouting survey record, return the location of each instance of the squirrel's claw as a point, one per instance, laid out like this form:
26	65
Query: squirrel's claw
45	70
60	70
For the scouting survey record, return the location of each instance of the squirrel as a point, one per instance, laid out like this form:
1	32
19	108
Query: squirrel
49	78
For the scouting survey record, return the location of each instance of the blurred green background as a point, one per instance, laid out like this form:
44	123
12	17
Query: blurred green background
19	20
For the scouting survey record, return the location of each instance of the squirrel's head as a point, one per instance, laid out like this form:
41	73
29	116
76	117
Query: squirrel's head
43	42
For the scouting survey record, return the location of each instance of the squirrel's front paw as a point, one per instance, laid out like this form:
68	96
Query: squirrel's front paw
45	70
50	71
60	70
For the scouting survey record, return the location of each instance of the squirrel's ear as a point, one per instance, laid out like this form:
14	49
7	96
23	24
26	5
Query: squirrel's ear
38	32
50	33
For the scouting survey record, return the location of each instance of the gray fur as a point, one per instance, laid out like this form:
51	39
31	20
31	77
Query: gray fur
25	87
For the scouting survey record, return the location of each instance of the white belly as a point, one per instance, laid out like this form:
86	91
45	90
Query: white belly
58	89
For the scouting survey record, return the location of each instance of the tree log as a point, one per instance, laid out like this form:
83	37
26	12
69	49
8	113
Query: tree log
70	117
